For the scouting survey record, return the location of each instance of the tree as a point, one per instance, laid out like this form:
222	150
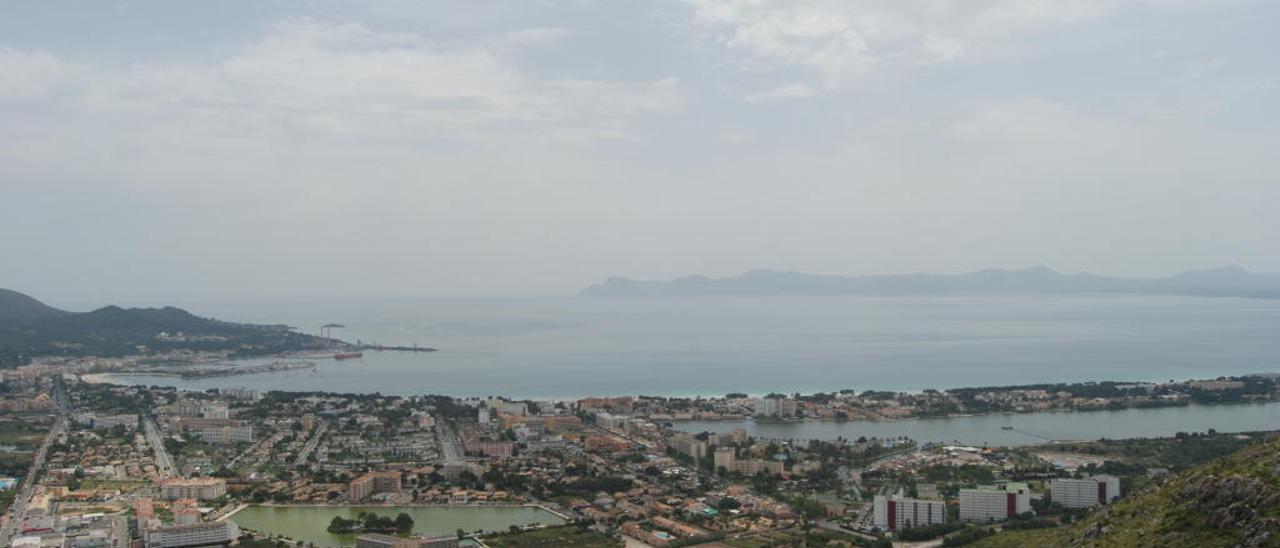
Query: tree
404	523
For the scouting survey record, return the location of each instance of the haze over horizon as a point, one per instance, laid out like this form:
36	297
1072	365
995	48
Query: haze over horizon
155	153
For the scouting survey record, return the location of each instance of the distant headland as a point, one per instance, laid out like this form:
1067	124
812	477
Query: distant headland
30	328
1229	281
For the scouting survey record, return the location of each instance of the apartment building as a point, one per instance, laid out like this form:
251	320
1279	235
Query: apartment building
373	483
994	503
1084	493
896	513
195	534
192	488
226	435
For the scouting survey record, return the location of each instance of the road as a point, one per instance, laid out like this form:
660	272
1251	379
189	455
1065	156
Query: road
450	443
18	510
311	444
624	436
164	464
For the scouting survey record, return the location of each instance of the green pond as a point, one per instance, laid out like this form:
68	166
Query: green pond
308	523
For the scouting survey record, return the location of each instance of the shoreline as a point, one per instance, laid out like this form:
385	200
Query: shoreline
827	420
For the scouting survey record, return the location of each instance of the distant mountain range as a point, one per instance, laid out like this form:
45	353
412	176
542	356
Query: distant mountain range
1230	281
30	328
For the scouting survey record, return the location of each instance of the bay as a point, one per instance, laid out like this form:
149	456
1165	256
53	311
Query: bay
571	347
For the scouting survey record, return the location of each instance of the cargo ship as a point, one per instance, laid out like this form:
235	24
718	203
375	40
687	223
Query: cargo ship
348	355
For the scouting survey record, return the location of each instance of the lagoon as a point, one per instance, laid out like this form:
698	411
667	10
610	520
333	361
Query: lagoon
308	523
1025	428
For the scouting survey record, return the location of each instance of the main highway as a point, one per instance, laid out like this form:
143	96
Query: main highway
18	511
311	444
164	464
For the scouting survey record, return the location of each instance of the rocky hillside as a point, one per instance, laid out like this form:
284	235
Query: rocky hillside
1232	501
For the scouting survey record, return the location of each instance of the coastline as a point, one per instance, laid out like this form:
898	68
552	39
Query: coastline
97	378
106	378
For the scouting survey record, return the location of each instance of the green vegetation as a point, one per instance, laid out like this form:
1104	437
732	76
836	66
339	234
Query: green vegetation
1177	453
929	532
801	537
22	436
28	329
122	485
568	536
370	522
967	536
1230	501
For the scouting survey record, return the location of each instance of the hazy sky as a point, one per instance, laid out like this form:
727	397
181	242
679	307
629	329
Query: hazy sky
188	151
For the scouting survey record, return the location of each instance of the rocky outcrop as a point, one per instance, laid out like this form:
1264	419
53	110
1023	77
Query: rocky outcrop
1230	502
1236	503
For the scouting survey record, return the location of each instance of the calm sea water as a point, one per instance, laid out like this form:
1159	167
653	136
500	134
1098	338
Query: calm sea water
569	347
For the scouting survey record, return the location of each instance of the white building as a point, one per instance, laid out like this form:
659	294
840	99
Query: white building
193	488
196	534
226	434
240	394
989	503
775	407
215	410
727	458
611	421
107	422
1084	493
513	408
897	513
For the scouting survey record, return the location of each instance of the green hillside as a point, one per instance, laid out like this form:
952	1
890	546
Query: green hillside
1232	501
29	328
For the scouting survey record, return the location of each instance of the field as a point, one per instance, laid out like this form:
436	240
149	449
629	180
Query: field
21	435
795	537
553	537
123	486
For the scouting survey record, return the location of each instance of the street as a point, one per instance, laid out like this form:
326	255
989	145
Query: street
164	464
311	444
19	509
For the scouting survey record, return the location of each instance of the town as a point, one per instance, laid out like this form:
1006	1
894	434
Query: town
101	465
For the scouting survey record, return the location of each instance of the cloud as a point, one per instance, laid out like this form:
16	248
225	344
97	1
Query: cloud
29	73
310	79
785	92
535	36
841	41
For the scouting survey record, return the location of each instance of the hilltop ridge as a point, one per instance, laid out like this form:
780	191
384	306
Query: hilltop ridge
30	328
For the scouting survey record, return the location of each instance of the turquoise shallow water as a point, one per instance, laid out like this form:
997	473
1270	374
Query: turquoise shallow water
308	523
569	347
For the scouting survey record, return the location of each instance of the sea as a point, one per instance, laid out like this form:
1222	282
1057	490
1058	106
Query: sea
552	348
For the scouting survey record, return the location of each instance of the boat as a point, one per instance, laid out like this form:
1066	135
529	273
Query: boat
1006	428
348	355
